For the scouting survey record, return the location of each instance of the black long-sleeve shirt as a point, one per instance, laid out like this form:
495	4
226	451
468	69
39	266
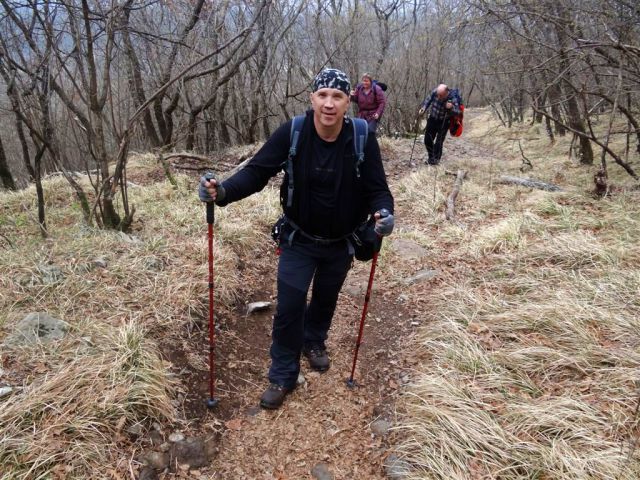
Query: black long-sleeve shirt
330	200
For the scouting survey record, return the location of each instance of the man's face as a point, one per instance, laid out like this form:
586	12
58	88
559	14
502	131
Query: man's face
366	82
329	106
442	94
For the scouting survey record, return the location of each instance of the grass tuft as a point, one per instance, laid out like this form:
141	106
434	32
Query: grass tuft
98	388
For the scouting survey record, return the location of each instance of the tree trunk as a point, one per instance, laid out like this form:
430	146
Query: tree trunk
223	130
135	79
26	158
556	112
576	121
5	173
37	161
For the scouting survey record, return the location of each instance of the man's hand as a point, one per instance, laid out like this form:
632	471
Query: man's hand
421	111
209	190
353	93
384	222
376	116
448	105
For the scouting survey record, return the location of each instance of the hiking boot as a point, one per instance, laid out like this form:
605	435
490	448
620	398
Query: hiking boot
318	358
273	396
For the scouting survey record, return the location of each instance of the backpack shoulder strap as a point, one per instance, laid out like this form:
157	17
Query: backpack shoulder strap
294	139
360	135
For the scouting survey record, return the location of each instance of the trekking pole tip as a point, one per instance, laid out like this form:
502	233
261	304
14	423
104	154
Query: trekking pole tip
212	403
351	383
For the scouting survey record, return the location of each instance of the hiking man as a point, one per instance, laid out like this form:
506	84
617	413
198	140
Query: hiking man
443	104
330	199
371	101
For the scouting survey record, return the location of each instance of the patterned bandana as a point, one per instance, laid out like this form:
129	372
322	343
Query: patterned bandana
332	78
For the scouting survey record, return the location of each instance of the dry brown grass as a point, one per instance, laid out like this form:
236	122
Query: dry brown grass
78	396
70	422
532	358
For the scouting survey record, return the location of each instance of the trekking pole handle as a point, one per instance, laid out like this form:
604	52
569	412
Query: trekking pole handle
210	213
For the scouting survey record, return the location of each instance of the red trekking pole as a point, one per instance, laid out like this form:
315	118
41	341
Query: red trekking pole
212	402
350	381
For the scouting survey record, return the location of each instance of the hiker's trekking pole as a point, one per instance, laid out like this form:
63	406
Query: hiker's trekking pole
412	147
414	139
374	261
212	402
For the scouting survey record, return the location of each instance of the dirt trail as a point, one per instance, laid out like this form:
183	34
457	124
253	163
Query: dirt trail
323	421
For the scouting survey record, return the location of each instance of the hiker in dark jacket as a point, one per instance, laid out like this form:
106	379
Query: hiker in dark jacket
443	104
329	201
371	101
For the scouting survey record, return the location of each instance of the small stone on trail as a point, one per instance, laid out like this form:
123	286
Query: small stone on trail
257	306
156	437
421	276
191	451
381	427
135	430
253	411
157	460
408	249
321	472
4	391
301	380
355	289
51	274
176	437
37	326
154	263
148	473
99	262
129	238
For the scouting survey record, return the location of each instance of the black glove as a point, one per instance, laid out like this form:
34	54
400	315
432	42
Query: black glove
384	222
207	183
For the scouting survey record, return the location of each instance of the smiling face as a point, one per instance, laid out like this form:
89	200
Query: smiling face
366	83
329	108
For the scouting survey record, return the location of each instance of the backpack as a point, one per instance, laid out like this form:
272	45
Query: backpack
360	134
455	122
383	87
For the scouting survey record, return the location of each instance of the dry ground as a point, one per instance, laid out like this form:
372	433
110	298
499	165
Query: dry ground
518	360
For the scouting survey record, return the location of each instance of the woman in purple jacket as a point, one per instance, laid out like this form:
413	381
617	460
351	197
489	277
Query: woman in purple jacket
371	101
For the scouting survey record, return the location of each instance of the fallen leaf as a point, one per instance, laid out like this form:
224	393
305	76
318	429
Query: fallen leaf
234	424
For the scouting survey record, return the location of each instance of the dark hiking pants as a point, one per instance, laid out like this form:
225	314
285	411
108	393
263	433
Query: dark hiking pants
434	136
296	322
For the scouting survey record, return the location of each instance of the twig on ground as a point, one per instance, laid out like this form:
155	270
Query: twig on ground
243	159
526	163
195	156
6	239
